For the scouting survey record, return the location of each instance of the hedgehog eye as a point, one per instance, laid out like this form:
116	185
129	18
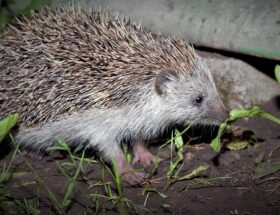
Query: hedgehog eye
199	99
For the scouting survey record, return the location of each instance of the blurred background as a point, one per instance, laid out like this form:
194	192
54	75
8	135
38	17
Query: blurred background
250	27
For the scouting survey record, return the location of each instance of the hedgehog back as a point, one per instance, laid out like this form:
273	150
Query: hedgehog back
57	62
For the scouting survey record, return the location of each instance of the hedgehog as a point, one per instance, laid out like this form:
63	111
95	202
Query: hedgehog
97	79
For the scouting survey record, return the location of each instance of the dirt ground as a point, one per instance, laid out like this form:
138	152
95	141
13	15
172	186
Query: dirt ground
228	186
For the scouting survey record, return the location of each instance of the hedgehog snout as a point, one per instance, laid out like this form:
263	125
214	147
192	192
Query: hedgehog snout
218	114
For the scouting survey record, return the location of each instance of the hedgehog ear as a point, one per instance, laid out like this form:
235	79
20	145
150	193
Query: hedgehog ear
162	79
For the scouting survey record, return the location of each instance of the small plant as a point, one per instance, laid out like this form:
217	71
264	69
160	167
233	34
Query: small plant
78	166
237	114
29	206
55	203
176	166
115	194
117	198
241	113
6	172
179	145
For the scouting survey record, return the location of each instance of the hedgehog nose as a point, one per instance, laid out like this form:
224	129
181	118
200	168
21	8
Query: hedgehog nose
220	114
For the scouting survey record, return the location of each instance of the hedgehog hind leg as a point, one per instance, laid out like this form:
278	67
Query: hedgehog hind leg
125	169
142	155
128	174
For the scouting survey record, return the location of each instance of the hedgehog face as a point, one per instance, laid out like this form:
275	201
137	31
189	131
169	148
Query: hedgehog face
190	98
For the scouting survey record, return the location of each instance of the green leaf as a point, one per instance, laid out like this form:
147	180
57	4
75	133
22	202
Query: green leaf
166	206
127	154
7	124
259	159
237	144
61	145
78	148
262	171
193	173
216	142
245	112
152	190
56	148
179	143
5	176
277	73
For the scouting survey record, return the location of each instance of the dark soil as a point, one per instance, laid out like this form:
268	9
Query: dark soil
229	186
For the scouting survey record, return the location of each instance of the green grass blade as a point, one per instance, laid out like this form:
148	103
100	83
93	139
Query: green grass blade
117	177
53	199
216	142
193	173
7	124
271	118
5	175
66	201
